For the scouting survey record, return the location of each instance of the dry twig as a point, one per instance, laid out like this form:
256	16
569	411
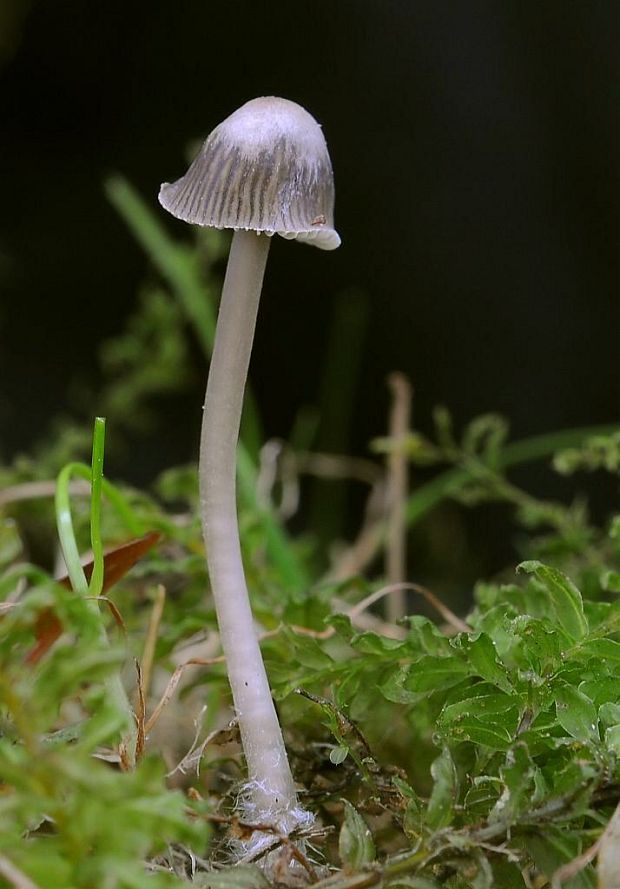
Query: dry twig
397	489
148	654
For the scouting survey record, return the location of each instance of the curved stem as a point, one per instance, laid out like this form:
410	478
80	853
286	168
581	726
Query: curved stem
271	789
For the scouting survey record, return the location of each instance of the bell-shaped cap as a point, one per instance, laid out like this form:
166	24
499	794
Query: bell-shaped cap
265	168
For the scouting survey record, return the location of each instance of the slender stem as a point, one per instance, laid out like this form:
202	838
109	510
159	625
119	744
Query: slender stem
271	790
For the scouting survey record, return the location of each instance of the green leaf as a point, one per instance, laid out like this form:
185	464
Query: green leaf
609	715
484	437
610	581
393	687
600	690
10	542
519	775
424	637
606	649
553	848
338	755
612	739
371	643
355	844
506	874
431	673
481	798
539	643
342	625
488	734
481	705
441	803
576	713
307	651
564	595
482	655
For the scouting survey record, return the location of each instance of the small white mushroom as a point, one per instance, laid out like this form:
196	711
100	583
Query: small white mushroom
265	170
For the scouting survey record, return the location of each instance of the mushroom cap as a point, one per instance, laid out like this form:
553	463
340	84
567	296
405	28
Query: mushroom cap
265	168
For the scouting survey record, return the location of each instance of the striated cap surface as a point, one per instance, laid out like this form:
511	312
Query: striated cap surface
265	168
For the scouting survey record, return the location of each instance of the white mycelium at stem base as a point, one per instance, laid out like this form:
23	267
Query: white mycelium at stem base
264	170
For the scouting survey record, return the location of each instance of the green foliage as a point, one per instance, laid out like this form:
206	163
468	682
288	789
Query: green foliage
465	756
469	742
355	844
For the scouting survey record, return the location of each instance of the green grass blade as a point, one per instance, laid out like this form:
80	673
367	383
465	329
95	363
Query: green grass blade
66	533
96	580
176	264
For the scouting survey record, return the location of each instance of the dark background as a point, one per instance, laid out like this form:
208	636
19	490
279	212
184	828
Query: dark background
475	146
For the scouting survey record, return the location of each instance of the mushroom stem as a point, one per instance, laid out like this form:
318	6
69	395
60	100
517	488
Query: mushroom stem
271	791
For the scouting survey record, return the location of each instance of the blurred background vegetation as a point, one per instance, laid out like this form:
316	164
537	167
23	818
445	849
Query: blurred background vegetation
475	148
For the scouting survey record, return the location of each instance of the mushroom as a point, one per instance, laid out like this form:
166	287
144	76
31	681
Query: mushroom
264	170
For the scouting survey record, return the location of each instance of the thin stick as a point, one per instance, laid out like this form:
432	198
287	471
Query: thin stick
574	867
148	655
355	558
16	877
356	611
36	490
397	490
449	616
172	684
607	849
140	715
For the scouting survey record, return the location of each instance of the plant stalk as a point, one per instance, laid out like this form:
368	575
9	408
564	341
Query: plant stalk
271	791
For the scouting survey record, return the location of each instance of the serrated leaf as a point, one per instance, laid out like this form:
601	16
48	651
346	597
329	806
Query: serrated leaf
355	843
440	807
564	595
576	713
